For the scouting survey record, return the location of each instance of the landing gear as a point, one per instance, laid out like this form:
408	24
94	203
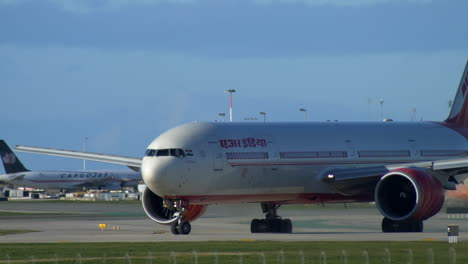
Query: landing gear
272	222
181	228
390	226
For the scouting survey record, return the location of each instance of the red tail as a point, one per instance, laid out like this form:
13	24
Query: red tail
459	113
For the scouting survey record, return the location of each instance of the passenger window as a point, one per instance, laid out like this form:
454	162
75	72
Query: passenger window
162	152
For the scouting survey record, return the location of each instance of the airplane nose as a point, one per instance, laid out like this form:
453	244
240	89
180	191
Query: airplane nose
154	173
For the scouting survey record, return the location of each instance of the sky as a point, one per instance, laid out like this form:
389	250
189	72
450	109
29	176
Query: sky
122	72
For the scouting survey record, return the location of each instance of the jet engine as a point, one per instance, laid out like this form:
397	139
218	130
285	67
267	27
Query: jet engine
409	195
162	213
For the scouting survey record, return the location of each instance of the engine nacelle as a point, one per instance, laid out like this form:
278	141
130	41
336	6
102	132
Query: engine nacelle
154	208
409	195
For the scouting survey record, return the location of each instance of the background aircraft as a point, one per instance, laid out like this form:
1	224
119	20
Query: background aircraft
404	167
18	175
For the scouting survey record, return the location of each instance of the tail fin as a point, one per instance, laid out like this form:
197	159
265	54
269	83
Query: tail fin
459	113
10	162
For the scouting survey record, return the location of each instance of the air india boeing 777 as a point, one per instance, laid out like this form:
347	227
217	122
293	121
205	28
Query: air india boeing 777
404	167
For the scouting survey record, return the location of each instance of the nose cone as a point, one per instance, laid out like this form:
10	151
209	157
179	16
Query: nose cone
3	179
155	175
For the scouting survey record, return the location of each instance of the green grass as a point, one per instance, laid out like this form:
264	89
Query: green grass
231	252
4	232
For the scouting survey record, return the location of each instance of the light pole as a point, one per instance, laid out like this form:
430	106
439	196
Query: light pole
381	109
84	150
230	91
305	112
264	116
369	102
413	116
223	115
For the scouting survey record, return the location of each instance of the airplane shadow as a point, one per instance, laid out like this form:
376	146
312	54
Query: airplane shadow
332	233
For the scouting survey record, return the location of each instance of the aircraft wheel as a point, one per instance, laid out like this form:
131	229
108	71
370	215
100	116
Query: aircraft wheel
387	225
184	228
254	226
174	228
417	227
286	226
273	225
263	226
390	226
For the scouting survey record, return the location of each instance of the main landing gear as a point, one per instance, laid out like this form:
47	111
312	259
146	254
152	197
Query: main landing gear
390	226
272	222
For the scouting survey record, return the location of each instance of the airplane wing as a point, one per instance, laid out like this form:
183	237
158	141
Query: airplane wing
131	162
352	181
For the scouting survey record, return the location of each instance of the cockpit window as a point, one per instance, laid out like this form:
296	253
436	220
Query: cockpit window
162	152
150	152
179	153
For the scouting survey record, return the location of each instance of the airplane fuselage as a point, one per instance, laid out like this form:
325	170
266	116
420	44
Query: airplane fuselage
73	180
284	162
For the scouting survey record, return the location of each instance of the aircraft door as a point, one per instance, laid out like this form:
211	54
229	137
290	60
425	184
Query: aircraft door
351	149
217	155
218	162
413	147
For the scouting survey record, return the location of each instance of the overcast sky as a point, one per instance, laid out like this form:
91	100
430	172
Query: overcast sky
121	72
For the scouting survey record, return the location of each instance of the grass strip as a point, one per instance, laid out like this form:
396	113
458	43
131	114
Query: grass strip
237	251
4	232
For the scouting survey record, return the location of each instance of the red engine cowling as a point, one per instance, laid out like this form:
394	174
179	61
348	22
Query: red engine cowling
153	206
409	195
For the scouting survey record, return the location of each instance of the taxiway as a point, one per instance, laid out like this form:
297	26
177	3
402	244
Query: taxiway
79	222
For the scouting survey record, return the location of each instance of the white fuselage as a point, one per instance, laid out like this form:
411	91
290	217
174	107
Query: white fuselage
73	180
282	162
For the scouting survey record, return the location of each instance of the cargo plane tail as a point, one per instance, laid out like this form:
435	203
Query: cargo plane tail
11	163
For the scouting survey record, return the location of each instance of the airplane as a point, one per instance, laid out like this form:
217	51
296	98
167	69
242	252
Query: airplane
18	175
404	167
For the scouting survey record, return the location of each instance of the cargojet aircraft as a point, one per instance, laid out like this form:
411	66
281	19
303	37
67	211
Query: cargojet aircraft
18	175
404	167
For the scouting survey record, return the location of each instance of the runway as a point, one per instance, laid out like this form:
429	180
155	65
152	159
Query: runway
79	222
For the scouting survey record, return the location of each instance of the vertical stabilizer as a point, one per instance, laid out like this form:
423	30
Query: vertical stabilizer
10	162
459	113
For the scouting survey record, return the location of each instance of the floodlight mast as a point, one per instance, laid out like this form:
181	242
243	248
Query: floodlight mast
84	149
230	91
264	116
223	115
305	112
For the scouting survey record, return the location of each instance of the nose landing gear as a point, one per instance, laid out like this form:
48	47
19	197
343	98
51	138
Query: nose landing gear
272	222
179	226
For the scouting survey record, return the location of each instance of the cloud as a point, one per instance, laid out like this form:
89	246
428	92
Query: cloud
338	3
88	6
